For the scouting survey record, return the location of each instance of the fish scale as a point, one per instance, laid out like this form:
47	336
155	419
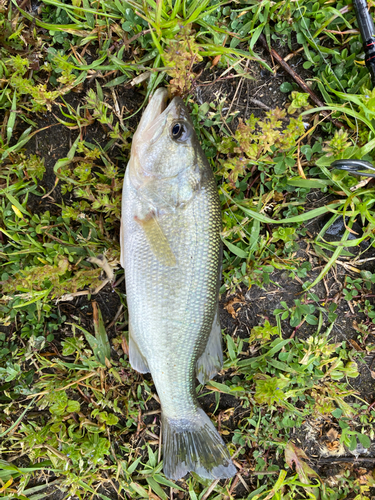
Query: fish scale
171	252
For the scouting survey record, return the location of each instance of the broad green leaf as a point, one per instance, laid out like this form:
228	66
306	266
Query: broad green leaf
234	249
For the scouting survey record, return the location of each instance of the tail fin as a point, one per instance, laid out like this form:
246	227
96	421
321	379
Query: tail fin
195	445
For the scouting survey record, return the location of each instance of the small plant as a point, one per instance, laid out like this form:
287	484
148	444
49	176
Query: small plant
260	142
180	57
299	101
298	313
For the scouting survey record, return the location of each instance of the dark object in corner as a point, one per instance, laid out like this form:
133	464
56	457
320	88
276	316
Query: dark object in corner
355	167
367	29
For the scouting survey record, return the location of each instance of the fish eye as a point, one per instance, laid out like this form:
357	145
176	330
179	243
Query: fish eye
177	130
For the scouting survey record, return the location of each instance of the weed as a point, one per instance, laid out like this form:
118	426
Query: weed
181	56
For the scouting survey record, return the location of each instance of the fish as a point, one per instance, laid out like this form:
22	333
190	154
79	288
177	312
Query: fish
171	251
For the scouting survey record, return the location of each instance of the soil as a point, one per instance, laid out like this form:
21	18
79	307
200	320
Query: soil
257	303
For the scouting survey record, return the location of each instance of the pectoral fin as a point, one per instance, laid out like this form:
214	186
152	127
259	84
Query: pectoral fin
211	361
157	240
136	358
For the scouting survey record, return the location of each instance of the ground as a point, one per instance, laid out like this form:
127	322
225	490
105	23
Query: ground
233	403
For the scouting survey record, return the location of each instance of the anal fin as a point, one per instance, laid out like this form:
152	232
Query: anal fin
136	358
211	361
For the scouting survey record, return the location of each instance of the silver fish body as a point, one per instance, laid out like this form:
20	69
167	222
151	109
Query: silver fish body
171	253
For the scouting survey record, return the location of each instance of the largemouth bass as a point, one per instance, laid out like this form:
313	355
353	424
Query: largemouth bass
171	253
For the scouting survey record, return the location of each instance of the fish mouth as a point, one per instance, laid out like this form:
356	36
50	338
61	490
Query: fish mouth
156	115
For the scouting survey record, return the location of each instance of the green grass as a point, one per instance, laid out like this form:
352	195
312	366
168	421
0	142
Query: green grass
86	421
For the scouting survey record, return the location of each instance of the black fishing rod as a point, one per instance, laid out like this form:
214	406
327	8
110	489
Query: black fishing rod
355	167
367	29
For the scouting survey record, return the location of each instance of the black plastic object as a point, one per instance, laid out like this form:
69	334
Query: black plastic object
367	29
355	167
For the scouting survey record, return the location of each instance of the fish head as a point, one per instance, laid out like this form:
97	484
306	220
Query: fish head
165	143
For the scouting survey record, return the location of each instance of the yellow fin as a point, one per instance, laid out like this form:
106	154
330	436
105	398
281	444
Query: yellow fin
157	240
